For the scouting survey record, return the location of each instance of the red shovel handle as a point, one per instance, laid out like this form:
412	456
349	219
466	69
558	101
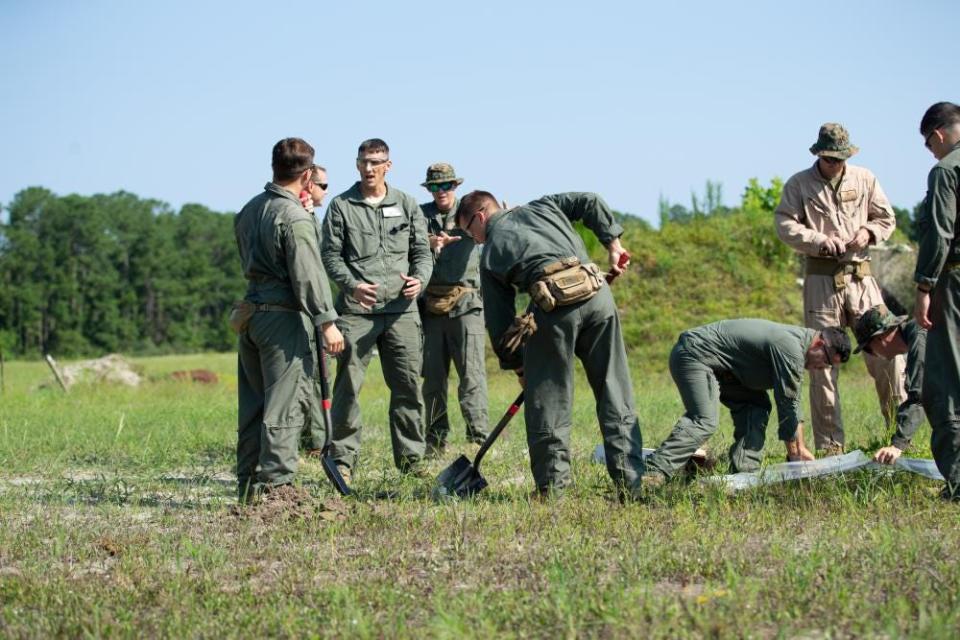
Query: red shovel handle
622	263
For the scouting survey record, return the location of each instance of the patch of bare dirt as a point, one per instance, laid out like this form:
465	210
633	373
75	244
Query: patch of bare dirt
286	503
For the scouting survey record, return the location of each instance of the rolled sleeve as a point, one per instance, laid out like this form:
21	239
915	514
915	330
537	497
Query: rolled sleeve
593	211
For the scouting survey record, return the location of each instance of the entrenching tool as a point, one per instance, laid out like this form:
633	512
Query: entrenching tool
462	478
326	461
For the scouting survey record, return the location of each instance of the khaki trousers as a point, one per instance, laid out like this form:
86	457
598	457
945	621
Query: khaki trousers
824	306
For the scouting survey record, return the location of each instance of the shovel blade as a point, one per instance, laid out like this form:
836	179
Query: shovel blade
333	475
460	479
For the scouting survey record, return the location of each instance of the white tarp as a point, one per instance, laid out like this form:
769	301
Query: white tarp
787	471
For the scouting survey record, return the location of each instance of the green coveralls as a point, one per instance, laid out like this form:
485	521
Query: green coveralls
376	244
910	412
519	244
457	336
938	266
280	256
734	362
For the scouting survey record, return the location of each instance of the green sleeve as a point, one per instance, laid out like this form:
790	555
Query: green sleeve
307	278
499	309
592	210
910	413
936	225
421	258
331	250
788	380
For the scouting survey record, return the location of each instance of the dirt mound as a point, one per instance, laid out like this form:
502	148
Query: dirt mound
111	369
287	502
202	376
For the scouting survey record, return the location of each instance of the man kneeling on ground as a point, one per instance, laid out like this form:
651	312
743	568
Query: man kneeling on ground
734	362
882	334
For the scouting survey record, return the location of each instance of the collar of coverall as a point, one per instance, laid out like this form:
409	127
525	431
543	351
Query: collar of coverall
273	187
354	195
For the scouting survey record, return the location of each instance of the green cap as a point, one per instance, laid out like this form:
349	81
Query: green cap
441	172
875	322
834	142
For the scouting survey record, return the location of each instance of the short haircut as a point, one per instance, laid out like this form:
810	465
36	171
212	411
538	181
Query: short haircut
939	116
473	201
317	168
291	157
373	145
837	342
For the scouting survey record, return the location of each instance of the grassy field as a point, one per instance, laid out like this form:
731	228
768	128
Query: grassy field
116	520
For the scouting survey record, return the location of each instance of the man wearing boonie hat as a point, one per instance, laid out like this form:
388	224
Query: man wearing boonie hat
452	313
882	334
831	213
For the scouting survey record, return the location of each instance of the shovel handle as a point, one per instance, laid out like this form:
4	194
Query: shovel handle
622	263
497	430
325	392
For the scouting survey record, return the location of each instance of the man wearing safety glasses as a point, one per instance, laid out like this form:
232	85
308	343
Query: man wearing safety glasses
375	248
831	213
452	313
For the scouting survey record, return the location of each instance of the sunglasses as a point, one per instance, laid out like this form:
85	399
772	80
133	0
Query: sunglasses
372	162
830	160
322	185
443	186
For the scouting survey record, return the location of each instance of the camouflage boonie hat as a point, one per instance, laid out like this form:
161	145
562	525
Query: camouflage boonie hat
441	172
875	322
834	142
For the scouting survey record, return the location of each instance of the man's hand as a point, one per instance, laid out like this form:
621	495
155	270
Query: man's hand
921	309
306	200
796	449
887	455
332	338
412	287
860	240
366	295
832	246
615	250
437	243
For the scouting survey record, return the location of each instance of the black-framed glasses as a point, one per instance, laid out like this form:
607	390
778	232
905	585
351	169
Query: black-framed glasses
322	185
466	227
926	141
443	186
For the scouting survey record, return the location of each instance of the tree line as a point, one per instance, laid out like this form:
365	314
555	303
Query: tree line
86	275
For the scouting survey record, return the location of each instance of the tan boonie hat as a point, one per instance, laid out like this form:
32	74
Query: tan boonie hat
441	172
834	142
875	322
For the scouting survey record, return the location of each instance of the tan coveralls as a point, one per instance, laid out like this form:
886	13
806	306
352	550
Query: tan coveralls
810	210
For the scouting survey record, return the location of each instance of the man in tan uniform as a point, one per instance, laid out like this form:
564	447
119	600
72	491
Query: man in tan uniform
831	213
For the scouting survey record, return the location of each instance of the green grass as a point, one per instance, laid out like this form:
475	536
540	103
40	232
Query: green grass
116	520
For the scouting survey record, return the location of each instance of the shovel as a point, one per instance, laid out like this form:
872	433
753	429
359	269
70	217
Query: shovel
326	461
462	478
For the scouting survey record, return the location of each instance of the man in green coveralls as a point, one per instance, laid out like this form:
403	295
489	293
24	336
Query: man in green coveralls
734	362
882	334
287	297
452	313
375	248
937	275
519	246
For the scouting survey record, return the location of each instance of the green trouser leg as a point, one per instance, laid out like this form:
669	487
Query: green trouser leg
398	339
591	331
941	378
275	381
461	340
700	393
750	409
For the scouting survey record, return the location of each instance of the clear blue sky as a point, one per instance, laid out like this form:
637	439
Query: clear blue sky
182	101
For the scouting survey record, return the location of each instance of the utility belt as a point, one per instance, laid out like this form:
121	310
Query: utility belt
243	310
566	282
440	299
836	269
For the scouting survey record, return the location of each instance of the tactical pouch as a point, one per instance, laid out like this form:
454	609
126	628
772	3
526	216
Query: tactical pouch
566	282
240	315
517	333
440	299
